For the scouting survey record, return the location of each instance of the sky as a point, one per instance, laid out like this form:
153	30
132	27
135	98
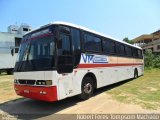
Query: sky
116	18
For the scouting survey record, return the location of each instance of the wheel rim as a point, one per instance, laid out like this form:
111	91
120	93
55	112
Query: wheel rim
88	88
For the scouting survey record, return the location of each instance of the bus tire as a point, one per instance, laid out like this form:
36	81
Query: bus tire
87	88
135	73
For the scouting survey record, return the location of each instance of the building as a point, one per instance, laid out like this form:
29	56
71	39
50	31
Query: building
149	41
13	37
9	45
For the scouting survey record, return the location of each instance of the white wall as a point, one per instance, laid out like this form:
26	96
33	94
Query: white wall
7	43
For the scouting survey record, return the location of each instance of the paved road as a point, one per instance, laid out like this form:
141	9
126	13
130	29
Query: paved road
100	103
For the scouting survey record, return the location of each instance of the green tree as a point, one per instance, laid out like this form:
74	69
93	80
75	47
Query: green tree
128	41
156	61
148	59
151	60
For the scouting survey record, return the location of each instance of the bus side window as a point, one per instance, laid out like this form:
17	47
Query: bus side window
76	45
135	53
106	46
120	49
112	47
140	54
92	43
128	50
109	46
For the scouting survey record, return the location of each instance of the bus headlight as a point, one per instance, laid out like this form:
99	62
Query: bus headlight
44	82
48	82
40	82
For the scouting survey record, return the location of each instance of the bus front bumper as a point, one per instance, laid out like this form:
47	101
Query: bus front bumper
37	92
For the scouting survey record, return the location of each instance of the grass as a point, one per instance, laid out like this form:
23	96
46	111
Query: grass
144	91
7	92
2	73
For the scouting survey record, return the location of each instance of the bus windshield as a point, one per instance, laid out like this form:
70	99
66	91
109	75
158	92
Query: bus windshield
36	52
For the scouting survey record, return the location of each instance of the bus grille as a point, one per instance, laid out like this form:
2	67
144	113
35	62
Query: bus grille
27	82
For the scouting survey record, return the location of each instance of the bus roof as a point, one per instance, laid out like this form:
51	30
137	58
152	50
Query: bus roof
85	29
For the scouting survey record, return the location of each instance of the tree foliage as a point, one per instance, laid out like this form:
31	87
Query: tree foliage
151	60
128	41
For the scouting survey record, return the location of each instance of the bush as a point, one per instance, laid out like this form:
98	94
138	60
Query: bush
151	60
156	61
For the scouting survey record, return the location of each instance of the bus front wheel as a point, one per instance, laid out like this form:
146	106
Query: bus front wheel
87	88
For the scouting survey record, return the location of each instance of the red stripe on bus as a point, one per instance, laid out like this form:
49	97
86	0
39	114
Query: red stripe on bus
107	65
41	36
36	37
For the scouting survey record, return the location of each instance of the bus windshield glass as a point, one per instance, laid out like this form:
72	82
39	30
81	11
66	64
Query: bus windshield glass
37	52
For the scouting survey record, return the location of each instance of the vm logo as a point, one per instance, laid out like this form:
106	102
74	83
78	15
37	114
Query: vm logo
87	58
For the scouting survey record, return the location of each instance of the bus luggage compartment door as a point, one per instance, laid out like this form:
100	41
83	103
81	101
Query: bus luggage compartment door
65	83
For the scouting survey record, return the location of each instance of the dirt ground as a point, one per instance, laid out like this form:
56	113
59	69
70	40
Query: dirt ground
103	103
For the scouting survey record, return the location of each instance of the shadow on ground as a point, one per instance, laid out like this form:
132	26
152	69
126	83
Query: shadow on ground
3	74
32	109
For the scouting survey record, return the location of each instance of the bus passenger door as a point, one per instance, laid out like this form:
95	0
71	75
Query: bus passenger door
64	63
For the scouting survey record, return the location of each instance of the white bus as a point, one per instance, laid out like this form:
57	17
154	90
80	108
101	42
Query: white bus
61	60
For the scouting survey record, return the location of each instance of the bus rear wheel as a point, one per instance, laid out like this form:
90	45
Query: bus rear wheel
135	73
87	88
